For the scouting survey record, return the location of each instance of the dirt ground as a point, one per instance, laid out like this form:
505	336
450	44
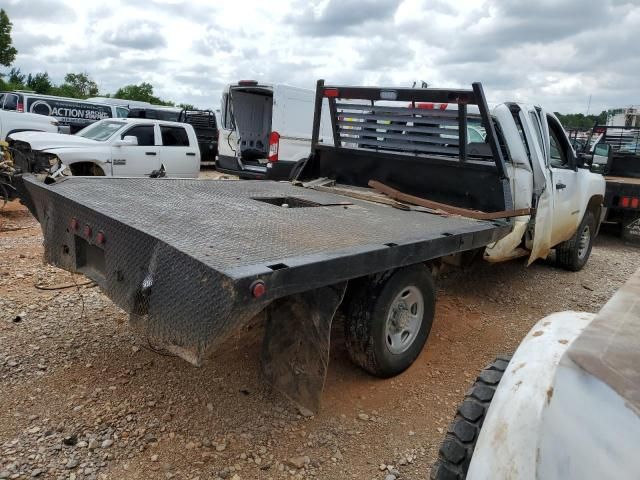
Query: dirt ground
83	398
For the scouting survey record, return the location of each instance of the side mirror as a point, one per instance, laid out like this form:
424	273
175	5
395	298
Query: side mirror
602	150
600	157
127	141
583	160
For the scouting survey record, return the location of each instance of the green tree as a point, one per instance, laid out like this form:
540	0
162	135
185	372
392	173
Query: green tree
187	106
39	83
7	50
17	78
579	120
78	85
141	93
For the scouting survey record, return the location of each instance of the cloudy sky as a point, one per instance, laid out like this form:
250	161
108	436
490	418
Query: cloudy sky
553	52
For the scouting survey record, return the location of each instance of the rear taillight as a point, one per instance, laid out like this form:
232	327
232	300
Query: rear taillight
20	107
629	202
274	146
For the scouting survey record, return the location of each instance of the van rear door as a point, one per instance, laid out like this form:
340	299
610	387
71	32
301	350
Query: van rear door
245	129
293	120
252	112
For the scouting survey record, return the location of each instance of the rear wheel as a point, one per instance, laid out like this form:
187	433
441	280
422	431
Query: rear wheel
389	318
573	254
459	443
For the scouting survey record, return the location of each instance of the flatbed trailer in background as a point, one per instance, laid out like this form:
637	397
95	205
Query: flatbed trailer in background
192	261
619	147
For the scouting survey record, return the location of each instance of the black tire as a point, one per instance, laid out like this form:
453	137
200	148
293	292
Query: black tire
296	169
572	255
457	447
367	312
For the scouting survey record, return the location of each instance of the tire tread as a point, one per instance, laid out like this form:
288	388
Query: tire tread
460	440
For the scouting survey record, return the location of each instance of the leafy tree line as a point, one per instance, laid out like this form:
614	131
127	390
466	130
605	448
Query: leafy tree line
578	120
75	85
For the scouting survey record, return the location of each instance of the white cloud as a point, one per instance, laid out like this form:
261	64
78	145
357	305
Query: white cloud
553	52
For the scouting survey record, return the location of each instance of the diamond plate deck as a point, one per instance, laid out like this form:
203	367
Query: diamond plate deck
222	225
181	255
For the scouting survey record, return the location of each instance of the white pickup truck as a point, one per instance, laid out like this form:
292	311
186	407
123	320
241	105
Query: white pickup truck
124	147
300	250
566	405
13	122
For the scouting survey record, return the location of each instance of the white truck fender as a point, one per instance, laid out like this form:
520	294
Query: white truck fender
511	434
568	403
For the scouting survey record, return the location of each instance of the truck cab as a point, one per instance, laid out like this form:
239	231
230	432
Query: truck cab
118	147
547	175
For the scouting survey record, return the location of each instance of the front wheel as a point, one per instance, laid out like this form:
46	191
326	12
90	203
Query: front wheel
389	318
573	254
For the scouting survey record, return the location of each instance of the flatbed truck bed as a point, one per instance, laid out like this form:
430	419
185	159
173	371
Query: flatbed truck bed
240	229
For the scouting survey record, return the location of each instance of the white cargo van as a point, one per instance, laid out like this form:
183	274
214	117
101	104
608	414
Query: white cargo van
264	129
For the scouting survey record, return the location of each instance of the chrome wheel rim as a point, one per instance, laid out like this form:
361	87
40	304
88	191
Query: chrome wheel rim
583	242
404	320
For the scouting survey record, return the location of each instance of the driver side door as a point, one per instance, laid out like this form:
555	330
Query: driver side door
136	160
564	182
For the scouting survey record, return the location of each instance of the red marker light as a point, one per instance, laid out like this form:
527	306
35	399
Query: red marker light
87	231
274	146
258	288
74	224
625	201
635	202
100	238
331	92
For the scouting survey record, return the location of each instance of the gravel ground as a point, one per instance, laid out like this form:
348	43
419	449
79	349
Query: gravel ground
83	398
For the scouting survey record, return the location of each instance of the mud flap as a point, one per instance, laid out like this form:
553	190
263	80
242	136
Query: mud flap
295	350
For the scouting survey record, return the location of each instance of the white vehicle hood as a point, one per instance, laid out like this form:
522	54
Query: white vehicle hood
46	141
